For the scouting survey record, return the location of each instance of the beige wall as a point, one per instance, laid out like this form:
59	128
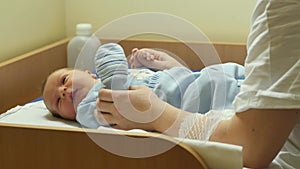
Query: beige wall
29	24
220	20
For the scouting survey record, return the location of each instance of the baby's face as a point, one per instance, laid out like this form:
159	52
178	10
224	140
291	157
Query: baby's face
65	89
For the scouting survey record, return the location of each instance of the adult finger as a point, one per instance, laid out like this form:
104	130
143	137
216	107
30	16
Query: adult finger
105	95
104	119
106	107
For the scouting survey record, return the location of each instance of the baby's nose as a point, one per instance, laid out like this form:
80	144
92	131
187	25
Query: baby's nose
64	91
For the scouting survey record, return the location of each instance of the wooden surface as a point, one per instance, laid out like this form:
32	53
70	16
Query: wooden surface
23	76
28	147
194	55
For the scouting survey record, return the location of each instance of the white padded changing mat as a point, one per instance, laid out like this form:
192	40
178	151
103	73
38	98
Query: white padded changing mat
34	113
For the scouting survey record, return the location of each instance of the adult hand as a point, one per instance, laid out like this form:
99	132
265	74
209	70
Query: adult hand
153	59
135	108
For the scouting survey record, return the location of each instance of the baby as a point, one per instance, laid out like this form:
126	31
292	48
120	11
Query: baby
72	93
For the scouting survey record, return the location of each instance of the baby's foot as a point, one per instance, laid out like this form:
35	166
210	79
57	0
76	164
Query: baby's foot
111	66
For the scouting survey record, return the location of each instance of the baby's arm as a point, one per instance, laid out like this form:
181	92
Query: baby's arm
152	59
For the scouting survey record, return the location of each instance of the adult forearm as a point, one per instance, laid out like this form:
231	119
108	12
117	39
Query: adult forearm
258	132
170	120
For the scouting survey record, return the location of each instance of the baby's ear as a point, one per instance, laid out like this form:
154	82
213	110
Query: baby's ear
92	74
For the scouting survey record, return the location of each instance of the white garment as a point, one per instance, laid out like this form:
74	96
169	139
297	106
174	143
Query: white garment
273	63
272	68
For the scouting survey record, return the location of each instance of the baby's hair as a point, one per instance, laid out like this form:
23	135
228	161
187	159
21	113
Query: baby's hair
54	114
43	86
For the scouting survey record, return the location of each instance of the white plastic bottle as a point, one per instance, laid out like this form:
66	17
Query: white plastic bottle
83	33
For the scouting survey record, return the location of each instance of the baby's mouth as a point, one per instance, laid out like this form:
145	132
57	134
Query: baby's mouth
77	96
74	97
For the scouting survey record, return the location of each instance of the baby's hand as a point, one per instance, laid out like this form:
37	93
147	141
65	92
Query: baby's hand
140	55
153	59
145	54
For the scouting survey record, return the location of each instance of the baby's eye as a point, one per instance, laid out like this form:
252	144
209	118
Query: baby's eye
64	80
58	101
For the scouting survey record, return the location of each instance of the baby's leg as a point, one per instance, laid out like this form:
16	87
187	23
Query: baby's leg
111	65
